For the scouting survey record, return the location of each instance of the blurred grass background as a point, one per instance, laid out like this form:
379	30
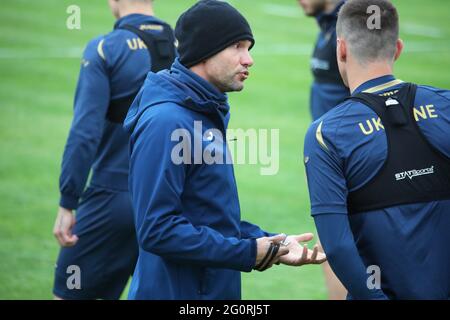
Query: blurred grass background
39	64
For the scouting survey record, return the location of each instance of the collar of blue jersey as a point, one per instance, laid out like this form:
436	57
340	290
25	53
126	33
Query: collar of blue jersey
133	18
323	18
377	84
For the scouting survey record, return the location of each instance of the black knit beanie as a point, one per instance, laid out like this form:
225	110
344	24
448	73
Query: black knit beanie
207	28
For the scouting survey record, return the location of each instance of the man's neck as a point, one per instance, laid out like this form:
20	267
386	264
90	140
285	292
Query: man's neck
362	74
200	71
137	9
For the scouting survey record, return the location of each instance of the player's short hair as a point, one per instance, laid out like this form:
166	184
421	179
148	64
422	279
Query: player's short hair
370	28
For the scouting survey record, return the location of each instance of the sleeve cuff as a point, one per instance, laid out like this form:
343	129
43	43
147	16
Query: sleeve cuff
68	201
250	260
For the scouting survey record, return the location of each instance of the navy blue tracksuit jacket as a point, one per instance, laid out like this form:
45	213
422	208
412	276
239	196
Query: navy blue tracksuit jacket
192	242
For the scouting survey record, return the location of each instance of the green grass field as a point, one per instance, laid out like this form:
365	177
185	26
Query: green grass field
39	63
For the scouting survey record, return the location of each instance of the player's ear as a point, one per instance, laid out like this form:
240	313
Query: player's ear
341	50
398	49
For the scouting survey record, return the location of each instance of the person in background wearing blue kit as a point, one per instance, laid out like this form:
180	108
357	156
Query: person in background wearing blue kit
102	243
327	90
192	242
378	168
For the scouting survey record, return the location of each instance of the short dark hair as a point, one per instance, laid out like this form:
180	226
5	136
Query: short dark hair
367	42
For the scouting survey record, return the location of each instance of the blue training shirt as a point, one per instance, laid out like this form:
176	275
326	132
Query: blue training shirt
344	149
113	66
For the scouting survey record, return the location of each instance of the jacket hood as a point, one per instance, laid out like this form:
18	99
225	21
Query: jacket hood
178	85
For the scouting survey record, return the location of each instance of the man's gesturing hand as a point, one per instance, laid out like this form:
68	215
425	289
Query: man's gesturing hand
63	228
269	250
299	255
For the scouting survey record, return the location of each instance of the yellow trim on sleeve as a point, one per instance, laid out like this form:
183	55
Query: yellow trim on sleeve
100	49
319	136
383	86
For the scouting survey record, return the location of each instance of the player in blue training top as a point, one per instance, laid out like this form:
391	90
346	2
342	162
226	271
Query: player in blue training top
328	89
378	168
99	251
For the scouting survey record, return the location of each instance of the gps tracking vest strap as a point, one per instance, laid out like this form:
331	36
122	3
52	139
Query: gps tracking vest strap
414	170
161	48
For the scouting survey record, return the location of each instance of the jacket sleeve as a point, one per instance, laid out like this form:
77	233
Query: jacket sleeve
90	106
156	185
252	231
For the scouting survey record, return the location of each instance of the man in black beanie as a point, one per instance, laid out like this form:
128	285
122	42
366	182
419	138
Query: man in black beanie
192	242
208	28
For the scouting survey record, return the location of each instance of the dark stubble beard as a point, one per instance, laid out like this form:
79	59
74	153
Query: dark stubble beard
228	83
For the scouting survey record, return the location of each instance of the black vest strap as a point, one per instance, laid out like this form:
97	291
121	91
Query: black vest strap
161	48
414	170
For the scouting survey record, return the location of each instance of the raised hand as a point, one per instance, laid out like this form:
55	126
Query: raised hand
300	254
